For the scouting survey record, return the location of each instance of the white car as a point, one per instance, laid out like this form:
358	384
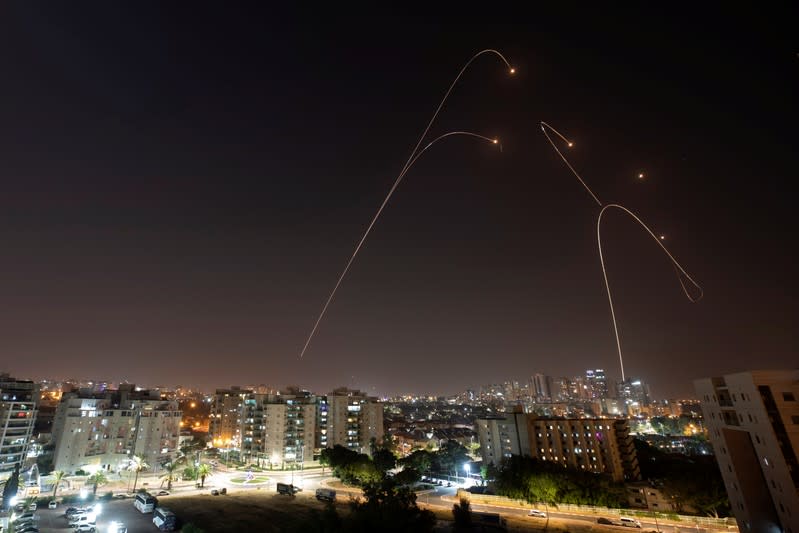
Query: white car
32	507
52	505
630	522
537	513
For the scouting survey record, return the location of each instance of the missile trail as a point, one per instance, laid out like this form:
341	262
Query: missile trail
678	269
414	155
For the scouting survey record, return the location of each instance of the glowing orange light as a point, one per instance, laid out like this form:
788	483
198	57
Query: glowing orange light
513	70
641	175
570	144
495	141
662	237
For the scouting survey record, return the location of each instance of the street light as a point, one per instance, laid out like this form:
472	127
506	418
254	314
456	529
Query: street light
467	468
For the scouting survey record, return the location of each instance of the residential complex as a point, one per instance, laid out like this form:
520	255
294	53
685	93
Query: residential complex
600	445
18	402
104	430
293	426
753	423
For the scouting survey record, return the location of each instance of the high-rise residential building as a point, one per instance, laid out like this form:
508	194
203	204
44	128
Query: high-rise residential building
599	445
18	402
349	418
561	389
278	429
104	430
752	420
225	425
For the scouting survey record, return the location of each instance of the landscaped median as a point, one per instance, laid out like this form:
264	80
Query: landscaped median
725	524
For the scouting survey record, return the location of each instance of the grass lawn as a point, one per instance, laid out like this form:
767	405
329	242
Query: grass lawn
242	480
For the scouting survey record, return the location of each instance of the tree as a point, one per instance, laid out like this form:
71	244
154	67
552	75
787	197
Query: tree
58	475
98	478
384	460
544	489
407	476
390	509
420	460
203	471
462	514
452	456
137	464
170	469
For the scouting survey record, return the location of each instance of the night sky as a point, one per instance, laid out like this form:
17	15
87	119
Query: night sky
182	185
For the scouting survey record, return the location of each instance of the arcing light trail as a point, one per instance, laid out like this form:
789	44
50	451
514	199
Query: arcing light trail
411	160
677	267
674	262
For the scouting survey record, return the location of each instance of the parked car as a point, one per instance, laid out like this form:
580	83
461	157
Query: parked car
86	528
537	513
32	506
163	493
214	492
326	495
52	505
70	511
604	521
27	529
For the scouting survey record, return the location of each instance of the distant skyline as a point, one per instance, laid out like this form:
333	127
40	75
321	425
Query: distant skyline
180	188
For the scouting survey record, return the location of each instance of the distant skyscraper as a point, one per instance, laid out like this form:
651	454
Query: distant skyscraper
597	384
753	422
634	393
225	428
541	387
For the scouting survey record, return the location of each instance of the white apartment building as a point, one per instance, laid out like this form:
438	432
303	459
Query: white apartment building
349	418
752	419
278	429
18	402
102	431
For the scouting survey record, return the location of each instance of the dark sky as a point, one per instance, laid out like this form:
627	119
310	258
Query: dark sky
181	186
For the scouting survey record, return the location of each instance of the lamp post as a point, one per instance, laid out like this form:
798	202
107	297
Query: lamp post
467	468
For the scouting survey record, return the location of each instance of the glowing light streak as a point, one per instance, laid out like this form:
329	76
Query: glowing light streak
679	270
570	144
414	155
674	262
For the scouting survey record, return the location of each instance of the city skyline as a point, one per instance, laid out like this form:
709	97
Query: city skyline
178	203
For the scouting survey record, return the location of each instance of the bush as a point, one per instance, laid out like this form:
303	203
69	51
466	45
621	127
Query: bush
81	472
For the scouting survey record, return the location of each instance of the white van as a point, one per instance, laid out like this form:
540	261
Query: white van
87	519
630	522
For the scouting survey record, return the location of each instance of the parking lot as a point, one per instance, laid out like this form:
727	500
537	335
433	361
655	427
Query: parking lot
53	520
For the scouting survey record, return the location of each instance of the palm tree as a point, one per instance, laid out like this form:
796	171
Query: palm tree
203	471
98	478
169	473
58	475
137	464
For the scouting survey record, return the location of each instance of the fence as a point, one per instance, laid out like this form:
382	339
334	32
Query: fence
702	521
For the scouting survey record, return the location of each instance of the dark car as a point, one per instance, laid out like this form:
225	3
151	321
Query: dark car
214	492
605	521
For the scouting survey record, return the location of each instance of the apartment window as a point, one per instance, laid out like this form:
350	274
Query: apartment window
795	419
788	397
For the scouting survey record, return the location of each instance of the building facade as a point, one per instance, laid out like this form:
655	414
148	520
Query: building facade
18	408
599	445
752	420
349	418
278	430
226	410
103	431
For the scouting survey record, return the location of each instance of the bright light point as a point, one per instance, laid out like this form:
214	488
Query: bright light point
512	70
570	144
662	237
495	141
640	175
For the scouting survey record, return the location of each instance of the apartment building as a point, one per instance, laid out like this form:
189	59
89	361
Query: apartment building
103	430
349	418
752	420
18	408
278	429
225	424
599	445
